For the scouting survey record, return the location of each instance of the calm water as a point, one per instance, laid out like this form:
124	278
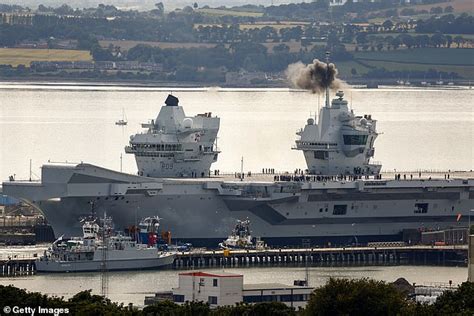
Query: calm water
422	129
132	287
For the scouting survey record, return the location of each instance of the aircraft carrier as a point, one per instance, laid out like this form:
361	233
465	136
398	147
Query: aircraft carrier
341	198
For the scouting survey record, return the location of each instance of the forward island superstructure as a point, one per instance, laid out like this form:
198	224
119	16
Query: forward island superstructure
176	145
340	199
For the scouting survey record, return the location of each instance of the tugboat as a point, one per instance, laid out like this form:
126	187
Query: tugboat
240	237
99	249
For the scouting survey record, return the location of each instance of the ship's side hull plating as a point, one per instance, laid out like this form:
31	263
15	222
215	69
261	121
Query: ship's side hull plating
96	265
204	211
206	218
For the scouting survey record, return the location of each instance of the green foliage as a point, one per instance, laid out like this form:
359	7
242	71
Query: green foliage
236	47
281	48
356	297
11	296
83	303
417	309
246	55
337	297
164	308
299	11
463	24
448	9
458	302
100	54
260	309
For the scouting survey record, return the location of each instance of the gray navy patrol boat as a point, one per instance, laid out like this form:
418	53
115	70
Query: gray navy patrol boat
339	198
98	250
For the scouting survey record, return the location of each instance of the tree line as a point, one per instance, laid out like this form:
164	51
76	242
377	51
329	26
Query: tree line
336	297
463	24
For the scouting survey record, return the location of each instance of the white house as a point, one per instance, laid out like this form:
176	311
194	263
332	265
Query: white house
220	289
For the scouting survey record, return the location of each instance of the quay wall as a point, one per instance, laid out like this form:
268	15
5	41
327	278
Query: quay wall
18	265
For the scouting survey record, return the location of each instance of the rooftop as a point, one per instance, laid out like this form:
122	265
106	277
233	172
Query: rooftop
215	275
272	286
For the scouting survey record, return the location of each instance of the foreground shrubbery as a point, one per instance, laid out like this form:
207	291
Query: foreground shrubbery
337	297
356	297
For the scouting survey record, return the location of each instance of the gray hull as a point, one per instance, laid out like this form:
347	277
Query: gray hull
112	265
204	211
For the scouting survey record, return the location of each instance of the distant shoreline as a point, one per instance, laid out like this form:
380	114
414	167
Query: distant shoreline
193	85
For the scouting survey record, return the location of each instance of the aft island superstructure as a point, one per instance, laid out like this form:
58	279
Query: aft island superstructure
340	143
341	197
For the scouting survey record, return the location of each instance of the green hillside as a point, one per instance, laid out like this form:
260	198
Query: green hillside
434	56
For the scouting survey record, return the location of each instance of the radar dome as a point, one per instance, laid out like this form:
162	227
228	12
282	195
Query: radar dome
363	121
188	122
310	121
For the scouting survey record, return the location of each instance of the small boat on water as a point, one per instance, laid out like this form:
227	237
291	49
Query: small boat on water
123	120
440	82
408	83
98	250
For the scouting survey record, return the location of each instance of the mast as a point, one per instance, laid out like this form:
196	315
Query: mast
327	74
104	277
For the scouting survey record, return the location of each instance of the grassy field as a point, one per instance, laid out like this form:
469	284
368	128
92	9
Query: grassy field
466	72
459	6
23	56
433	56
456	60
223	12
344	68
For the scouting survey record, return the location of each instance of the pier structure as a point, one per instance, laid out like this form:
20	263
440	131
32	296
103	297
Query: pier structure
389	255
17	266
20	265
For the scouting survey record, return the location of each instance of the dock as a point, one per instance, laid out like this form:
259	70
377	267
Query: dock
17	266
389	255
24	264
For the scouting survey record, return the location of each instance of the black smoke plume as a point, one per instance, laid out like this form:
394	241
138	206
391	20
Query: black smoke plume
315	77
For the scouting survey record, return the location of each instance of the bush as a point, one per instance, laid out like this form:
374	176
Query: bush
356	297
